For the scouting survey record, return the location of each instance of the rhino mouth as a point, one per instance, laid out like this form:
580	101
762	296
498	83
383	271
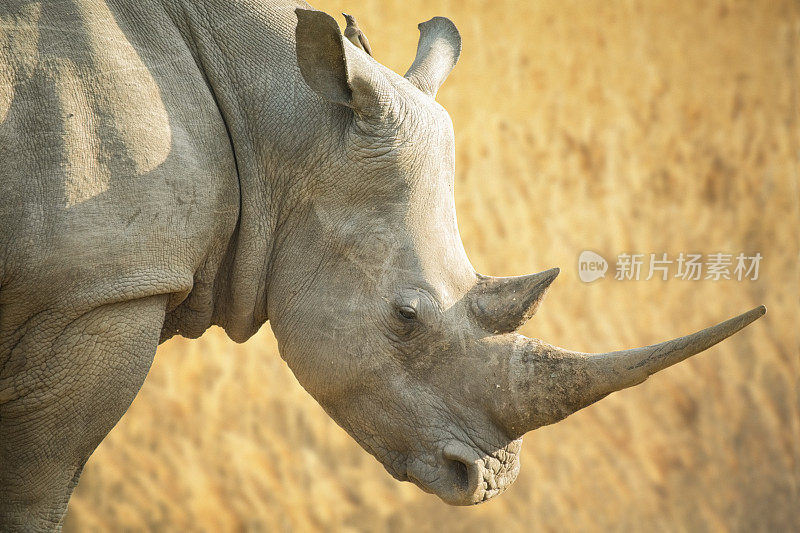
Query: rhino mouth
466	475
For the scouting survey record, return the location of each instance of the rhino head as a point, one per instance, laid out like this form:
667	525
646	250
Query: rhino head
380	314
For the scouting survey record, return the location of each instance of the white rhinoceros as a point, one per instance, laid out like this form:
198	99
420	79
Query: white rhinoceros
166	165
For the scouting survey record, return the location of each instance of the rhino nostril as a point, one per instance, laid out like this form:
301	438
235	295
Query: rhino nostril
460	473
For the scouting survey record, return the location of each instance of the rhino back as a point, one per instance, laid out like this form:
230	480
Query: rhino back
117	178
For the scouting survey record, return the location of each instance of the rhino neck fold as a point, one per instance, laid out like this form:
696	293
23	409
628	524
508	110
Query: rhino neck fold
246	52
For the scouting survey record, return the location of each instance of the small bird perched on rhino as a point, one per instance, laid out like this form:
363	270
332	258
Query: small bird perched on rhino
355	35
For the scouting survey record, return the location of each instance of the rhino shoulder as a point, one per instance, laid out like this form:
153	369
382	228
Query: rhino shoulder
116	164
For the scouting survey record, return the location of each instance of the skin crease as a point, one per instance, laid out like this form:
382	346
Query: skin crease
177	165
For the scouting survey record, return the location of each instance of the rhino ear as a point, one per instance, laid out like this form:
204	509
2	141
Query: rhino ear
437	54
333	67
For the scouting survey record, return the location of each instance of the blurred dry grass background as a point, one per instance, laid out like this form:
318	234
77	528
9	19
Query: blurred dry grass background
622	126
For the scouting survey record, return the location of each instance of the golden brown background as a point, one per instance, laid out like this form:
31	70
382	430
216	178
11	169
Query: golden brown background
622	126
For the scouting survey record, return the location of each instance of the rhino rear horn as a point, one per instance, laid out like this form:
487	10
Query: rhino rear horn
437	53
503	305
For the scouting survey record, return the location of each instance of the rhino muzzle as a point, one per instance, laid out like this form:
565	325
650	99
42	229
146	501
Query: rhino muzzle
528	383
465	475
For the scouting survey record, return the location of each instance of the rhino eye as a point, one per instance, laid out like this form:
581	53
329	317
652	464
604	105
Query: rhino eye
407	312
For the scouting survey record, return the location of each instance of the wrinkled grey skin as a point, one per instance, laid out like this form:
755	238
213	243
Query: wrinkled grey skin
167	165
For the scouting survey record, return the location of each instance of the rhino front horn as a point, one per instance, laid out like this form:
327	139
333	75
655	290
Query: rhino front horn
546	384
